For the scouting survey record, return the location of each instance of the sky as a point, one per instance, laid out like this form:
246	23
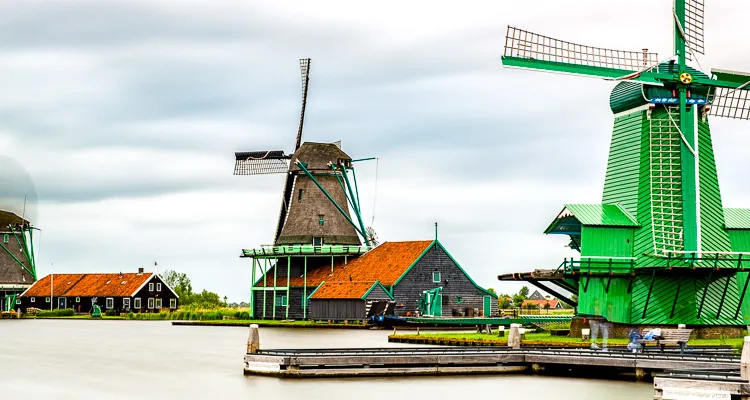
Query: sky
126	116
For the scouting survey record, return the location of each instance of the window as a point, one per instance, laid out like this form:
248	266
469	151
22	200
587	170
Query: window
158	303
281	301
151	287
436	277
317	241
78	299
172	303
321	219
158	287
151	303
126	304
299	196
18	301
110	302
33	299
137	303
459	300
47	300
6	238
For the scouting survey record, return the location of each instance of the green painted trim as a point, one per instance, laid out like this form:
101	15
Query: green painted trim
316	289
596	72
16	258
374	285
24	248
554	221
426	249
462	270
356	209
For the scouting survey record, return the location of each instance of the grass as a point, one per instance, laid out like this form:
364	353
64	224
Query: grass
544	338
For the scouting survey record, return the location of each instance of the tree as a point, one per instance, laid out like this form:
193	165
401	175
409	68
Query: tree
180	283
206	299
492	290
524	292
504	302
518	300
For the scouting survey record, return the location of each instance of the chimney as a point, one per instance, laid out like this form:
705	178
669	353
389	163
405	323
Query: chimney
140	271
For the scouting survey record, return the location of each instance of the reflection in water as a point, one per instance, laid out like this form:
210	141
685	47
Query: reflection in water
65	359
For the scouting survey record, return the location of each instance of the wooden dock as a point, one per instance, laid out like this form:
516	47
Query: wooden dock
320	363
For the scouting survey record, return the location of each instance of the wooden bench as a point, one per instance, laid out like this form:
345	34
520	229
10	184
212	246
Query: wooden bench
670	336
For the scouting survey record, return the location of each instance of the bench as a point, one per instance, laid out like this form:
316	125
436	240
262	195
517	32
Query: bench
670	336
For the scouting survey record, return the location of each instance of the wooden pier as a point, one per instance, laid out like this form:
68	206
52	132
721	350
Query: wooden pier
320	363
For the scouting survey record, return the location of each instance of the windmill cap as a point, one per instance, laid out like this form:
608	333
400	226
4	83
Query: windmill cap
318	156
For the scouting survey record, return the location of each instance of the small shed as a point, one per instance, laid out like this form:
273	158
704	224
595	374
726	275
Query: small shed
346	300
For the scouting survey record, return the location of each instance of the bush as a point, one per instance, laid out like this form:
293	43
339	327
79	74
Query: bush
110	313
66	312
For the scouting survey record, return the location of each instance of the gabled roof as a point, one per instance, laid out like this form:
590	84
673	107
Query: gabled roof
737	218
540	303
346	290
594	215
89	285
385	264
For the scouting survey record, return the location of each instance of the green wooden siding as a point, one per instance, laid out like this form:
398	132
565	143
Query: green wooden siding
621	181
596	300
644	241
740	241
737	218
606	242
713	235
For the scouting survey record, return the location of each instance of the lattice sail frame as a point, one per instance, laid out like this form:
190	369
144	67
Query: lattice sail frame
694	22
730	103
261	162
525	44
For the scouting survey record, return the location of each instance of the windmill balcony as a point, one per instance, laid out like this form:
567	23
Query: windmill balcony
304	250
604	266
598	266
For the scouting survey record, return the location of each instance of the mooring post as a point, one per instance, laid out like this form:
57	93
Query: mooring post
514	337
501	331
745	360
253	341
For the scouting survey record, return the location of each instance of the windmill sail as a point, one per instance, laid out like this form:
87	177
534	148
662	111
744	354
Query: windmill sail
694	28
261	162
521	44
731	102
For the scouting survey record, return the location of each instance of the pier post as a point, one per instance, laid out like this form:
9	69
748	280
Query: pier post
514	337
253	341
640	374
745	360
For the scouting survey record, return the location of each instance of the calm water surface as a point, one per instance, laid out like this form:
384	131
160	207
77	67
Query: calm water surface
65	359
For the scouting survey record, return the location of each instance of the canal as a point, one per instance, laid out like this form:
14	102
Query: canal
68	359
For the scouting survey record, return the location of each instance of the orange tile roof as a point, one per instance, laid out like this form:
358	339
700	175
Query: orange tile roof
342	290
89	285
540	303
385	263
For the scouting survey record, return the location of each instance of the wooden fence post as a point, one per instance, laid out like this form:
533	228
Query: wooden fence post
745	360
253	341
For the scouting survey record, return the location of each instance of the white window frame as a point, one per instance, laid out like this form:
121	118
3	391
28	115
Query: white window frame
33	299
137	303
109	303
158	287
126	303
78	299
150	303
46	300
151	287
173	303
158	303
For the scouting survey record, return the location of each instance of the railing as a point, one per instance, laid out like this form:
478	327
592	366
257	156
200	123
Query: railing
270	250
672	260
599	265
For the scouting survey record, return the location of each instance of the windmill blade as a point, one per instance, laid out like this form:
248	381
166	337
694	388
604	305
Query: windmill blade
261	162
304	65
524	49
731	98
694	21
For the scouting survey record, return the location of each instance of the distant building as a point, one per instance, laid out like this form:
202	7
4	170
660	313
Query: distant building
122	292
553	304
536	296
17	271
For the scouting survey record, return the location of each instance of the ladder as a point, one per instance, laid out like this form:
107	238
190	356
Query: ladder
666	180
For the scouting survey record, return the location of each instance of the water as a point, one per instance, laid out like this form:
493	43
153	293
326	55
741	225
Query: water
84	359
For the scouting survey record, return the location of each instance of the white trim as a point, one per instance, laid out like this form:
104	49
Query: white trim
632	111
158	286
171	301
697	179
158	303
151	286
124	299
106	302
138	301
150	303
33	299
583	75
151	276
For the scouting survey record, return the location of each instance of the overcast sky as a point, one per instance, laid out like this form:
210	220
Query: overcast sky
127	114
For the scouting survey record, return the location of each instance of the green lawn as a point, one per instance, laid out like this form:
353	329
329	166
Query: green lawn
544	338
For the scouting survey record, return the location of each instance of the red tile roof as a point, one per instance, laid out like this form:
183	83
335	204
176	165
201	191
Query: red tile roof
342	290
540	303
385	263
89	285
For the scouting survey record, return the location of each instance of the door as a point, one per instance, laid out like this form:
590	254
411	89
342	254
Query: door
61	302
487	306
437	306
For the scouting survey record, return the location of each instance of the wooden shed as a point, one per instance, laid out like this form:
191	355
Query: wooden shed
346	300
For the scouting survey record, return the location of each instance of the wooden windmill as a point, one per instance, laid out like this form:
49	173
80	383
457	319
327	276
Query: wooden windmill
660	248
314	206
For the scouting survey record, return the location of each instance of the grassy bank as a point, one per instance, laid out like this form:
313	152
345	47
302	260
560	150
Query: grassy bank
534	339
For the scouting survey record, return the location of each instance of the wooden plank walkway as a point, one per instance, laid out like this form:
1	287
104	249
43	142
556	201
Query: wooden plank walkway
713	384
467	360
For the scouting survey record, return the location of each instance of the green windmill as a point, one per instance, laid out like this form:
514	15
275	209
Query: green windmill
660	249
